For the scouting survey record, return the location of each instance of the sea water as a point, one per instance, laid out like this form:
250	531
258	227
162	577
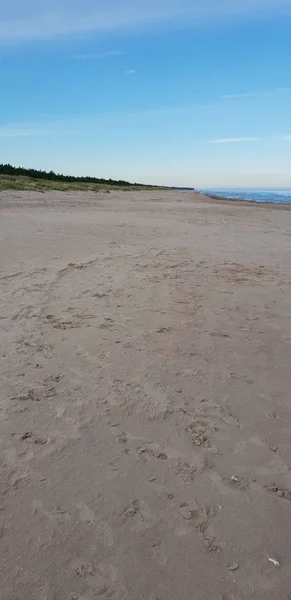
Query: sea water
276	196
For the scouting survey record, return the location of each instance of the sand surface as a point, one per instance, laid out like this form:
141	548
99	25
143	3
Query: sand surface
145	424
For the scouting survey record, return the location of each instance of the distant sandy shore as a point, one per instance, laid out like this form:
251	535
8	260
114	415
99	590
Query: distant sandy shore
145	397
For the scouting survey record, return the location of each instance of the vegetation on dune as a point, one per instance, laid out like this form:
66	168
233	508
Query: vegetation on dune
41	185
18	178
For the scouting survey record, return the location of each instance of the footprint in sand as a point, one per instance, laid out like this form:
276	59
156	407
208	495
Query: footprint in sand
100	295
59	323
86	515
200	430
12	458
147	453
193	513
198	518
187	471
31	395
233	485
103	531
19	478
32	438
103	581
55	515
108	583
228	419
164	330
141	515
36	394
19	472
82	568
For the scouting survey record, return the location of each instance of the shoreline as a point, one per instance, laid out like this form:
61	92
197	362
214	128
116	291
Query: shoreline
244	202
195	194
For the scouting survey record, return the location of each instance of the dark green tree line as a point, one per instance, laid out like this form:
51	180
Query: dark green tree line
6	169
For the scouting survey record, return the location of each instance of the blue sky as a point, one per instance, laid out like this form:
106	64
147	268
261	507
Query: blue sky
177	92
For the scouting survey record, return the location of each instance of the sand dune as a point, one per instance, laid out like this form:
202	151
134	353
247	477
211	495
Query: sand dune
145	398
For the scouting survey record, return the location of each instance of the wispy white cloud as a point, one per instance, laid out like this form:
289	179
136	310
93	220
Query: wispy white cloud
239	140
130	72
246	95
22	131
81	123
65	126
100	55
258	93
37	19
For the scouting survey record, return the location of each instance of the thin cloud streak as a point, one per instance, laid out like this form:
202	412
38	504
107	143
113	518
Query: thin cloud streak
82	123
65	126
100	55
242	140
239	140
36	19
246	95
258	93
15	132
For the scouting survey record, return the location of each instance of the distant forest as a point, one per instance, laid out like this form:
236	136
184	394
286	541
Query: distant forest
15	171
52	176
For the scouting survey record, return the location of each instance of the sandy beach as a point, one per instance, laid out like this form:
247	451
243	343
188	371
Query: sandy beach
145	397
